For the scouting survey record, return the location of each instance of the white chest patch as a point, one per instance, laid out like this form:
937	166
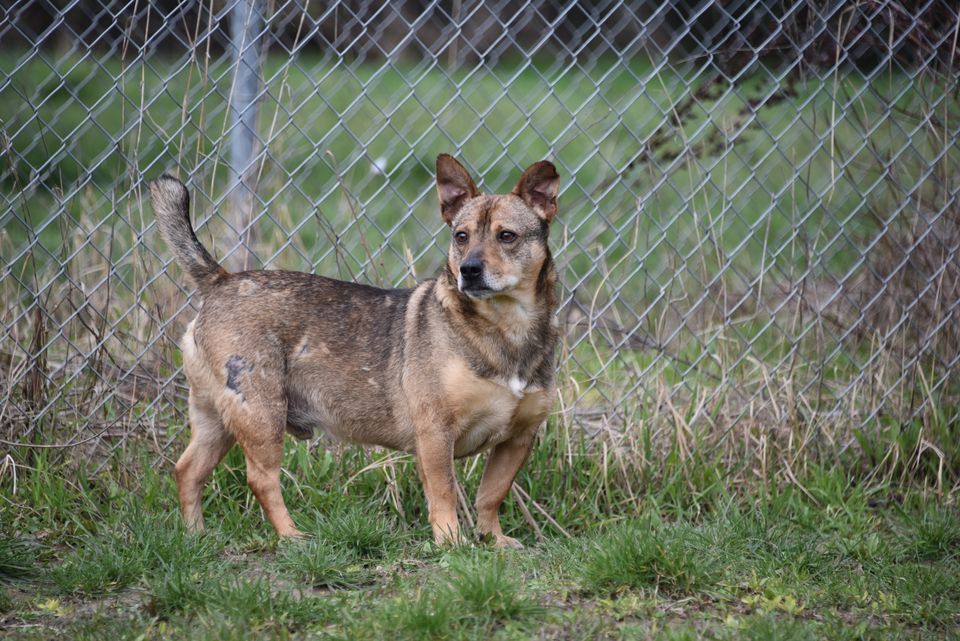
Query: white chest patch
517	386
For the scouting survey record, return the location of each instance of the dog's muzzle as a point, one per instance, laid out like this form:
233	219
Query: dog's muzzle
471	281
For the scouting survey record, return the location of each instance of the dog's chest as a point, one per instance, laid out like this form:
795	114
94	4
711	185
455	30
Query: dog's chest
484	410
485	424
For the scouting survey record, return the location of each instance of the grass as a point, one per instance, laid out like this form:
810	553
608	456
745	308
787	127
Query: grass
110	561
838	560
343	548
640	554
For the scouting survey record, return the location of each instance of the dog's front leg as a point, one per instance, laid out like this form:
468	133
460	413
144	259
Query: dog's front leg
435	463
502	466
504	462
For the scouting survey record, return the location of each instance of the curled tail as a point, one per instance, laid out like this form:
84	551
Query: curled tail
171	205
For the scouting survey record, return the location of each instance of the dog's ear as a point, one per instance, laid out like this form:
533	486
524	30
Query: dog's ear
538	187
454	186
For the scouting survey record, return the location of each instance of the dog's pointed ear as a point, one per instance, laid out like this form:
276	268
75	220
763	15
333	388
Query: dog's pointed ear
454	186
538	187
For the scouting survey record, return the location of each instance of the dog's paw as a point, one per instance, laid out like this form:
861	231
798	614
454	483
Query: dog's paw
508	542
501	541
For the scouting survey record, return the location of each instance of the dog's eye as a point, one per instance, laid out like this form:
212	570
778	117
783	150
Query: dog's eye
460	237
507	236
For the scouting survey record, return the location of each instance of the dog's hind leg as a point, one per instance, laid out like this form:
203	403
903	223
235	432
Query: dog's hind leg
263	477
209	442
256	414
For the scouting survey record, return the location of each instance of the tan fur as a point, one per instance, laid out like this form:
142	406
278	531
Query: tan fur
451	368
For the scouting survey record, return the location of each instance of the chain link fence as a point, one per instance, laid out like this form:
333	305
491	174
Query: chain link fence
757	240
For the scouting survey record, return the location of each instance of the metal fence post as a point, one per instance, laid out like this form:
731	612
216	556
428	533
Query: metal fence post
246	25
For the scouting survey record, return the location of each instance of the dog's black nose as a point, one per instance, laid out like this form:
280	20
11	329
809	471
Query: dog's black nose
471	268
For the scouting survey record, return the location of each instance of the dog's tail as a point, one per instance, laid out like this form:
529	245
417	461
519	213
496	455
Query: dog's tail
171	205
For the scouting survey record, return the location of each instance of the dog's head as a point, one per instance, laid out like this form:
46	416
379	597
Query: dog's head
499	242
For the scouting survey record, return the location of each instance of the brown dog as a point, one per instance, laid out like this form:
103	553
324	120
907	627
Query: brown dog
450	368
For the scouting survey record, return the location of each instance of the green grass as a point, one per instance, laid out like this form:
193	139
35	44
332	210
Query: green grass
112	560
16	558
343	548
643	554
487	589
838	560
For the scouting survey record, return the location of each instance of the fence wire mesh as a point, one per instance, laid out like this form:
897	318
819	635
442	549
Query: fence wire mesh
758	233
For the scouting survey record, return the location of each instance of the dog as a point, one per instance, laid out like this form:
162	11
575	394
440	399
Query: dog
450	368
